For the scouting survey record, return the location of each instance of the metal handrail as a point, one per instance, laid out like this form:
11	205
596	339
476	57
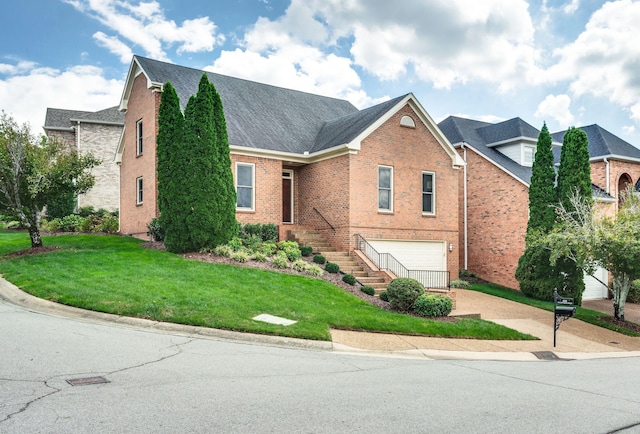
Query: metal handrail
386	261
323	218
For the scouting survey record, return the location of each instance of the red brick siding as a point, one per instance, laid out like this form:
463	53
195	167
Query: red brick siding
498	211
143	104
268	190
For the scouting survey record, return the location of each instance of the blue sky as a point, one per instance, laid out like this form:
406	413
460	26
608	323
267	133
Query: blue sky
566	62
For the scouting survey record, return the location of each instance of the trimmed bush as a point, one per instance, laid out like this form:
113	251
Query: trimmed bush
384	296
306	250
52	225
368	289
331	267
235	243
319	259
269	248
71	223
223	250
259	257
634	292
403	292
433	305
240	256
349	278
459	284
155	229
110	225
300	265
313	270
280	261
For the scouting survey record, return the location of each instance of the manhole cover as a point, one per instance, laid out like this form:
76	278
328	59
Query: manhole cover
546	355
87	381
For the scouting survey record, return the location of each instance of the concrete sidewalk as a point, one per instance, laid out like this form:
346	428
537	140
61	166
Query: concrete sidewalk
575	339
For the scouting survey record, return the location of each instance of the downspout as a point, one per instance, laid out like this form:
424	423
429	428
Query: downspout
78	151
464	206
606	163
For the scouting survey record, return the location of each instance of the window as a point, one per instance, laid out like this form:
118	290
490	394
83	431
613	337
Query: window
385	188
139	137
529	153
428	193
245	175
139	190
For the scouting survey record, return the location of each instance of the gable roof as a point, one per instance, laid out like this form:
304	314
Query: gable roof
603	144
65	120
480	135
258	115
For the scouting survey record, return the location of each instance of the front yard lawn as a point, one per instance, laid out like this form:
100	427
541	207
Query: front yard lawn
117	275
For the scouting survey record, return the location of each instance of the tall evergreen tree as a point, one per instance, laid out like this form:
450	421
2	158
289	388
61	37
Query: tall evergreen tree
227	192
574	175
171	169
535	273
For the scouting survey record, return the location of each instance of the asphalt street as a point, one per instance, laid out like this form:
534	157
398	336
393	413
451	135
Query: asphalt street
161	382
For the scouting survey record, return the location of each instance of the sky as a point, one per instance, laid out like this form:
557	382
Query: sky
563	62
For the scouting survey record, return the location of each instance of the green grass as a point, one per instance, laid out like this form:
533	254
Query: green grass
586	315
116	275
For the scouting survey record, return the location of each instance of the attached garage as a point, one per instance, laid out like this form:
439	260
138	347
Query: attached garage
594	290
418	257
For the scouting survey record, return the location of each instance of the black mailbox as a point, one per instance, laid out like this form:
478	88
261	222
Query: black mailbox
565	310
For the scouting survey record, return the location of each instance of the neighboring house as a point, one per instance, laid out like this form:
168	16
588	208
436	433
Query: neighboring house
98	133
494	189
301	160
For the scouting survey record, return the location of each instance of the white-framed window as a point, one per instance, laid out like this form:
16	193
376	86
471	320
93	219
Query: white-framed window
385	188
245	186
528	155
139	137
428	193
139	190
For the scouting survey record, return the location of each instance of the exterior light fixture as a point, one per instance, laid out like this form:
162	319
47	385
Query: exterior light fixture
451	247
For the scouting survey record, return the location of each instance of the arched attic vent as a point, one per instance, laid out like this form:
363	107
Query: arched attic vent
407	121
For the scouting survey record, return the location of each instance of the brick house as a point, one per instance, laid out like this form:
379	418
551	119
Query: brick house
494	189
96	132
386	173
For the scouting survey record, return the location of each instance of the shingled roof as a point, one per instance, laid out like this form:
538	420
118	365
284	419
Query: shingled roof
258	115
603	144
480	135
62	119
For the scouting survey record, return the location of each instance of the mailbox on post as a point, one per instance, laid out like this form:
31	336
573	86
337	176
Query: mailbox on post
563	309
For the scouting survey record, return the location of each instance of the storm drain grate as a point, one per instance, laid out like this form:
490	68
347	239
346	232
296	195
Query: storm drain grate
546	355
87	381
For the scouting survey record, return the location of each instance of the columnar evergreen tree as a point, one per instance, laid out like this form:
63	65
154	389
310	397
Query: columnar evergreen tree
171	169
227	192
535	274
574	177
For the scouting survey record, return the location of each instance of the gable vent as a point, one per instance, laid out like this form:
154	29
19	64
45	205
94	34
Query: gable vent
407	121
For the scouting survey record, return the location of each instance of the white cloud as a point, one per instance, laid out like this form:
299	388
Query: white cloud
557	108
27	95
628	129
571	7
605	58
145	25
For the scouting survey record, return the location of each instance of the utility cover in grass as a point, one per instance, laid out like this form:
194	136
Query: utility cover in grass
265	317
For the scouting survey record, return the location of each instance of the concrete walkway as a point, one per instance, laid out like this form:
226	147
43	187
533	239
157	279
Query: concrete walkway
575	339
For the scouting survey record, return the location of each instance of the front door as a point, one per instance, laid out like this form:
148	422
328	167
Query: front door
287	196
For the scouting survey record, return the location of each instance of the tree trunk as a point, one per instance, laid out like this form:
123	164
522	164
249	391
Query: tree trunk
36	239
621	286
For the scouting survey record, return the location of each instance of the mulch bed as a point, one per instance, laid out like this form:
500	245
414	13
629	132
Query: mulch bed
32	251
626	324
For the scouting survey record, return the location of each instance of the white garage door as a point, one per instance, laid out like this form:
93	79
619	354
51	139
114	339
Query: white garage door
594	290
415	255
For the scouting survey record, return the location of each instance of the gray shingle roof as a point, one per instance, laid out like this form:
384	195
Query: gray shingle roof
602	143
259	115
61	118
459	130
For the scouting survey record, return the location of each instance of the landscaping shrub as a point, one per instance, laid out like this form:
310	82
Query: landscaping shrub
306	250
313	270
155	229
270	232
403	292
634	292
368	289
52	225
299	265
240	256
71	223
235	243
223	250
459	284
280	261
110	224
332	267
349	278
384	296
268	248
433	305
291	249
319	259
259	257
